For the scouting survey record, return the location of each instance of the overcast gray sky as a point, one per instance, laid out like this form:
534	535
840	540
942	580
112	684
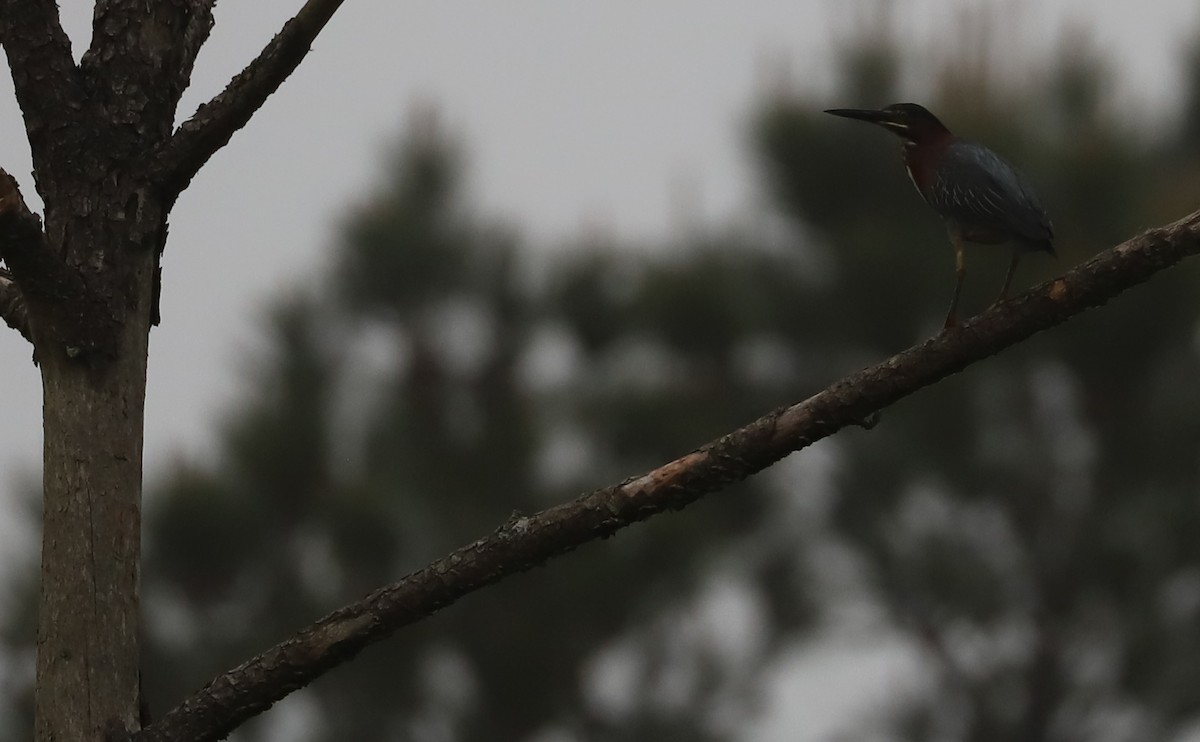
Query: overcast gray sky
573	113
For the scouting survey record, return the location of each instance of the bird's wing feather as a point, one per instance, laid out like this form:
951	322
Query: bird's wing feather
976	187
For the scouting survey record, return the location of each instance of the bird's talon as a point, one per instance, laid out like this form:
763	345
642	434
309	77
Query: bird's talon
869	421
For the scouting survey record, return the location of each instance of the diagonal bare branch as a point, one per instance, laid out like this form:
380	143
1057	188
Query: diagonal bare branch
211	127
44	74
526	541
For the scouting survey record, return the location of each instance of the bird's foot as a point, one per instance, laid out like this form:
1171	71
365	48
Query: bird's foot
869	421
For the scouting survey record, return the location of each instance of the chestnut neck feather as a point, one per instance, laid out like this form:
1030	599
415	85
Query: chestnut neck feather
921	156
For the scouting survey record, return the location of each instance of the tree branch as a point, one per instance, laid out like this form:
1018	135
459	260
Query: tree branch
12	306
44	74
211	127
20	241
40	280
527	541
140	60
23	247
22	244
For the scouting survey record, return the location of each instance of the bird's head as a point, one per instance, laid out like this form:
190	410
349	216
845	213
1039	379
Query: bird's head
909	121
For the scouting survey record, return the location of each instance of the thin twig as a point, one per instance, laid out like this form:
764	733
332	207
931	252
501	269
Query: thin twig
211	127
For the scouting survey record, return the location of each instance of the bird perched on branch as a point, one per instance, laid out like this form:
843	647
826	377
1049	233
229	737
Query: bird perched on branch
980	196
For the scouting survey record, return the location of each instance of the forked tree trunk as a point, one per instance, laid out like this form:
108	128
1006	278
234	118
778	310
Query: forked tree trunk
87	278
109	165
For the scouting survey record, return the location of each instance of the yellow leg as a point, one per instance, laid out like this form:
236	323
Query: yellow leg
1012	268
960	270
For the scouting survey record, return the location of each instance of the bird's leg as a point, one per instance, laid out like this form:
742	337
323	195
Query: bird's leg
1012	268
960	270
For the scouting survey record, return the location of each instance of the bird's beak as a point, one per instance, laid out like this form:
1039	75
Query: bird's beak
887	119
875	117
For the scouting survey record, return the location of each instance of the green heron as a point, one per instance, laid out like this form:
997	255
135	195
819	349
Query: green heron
980	196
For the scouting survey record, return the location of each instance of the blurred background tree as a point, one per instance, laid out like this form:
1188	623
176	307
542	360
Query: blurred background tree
1029	525
1027	528
434	383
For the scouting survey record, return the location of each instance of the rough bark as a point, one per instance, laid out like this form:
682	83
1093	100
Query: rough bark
527	541
45	80
87	664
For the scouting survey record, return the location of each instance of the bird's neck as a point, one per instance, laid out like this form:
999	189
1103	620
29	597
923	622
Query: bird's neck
920	161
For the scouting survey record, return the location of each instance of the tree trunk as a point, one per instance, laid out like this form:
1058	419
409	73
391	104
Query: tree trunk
88	623
89	280
109	166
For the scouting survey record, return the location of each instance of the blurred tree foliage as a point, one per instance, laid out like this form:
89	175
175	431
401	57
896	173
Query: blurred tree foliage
434	383
1029	527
